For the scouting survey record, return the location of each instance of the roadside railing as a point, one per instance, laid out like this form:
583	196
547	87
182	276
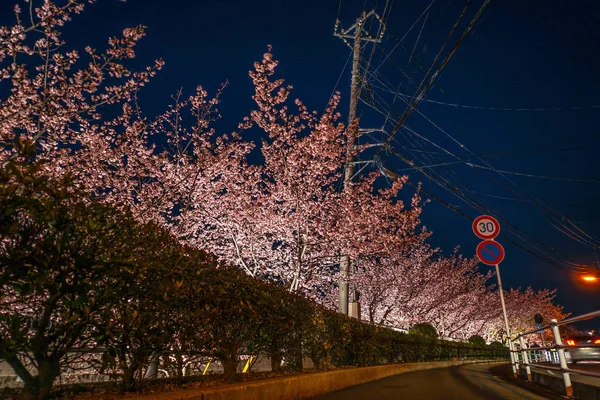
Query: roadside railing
555	353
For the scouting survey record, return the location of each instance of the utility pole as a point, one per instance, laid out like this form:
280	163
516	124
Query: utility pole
358	36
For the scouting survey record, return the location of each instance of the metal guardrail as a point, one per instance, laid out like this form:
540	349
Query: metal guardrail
532	357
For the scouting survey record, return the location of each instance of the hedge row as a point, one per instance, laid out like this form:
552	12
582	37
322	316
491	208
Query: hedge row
80	275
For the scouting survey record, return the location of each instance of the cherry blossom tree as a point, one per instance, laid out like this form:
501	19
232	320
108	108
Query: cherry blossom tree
295	201
56	100
389	283
55	96
421	286
521	306
454	299
283	218
302	221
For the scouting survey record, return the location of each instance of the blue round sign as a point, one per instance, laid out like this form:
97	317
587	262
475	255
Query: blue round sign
490	252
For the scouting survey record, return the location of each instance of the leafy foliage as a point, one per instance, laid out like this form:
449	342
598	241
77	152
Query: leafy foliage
425	331
477	340
61	262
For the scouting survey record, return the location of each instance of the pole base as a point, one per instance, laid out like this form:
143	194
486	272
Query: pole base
569	392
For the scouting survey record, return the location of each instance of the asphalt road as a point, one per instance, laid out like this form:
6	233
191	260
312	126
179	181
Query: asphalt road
478	381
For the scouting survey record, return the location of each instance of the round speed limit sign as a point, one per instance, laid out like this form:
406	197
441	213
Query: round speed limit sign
486	227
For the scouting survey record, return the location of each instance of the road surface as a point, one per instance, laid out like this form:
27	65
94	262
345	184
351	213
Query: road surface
478	381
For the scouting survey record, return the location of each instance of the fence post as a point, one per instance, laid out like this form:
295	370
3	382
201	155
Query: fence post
525	358
513	358
562	358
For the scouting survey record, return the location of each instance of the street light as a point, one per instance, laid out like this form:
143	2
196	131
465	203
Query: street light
589	278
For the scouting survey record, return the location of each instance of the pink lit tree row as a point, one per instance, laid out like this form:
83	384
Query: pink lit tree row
284	219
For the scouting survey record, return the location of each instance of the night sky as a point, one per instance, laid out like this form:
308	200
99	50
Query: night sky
538	56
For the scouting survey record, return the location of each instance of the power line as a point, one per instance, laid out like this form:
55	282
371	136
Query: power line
339	78
554	178
515	230
419	95
545	208
544	257
552	213
399	41
456	105
477	205
418	38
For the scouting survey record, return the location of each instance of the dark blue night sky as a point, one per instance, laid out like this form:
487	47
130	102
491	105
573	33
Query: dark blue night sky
534	54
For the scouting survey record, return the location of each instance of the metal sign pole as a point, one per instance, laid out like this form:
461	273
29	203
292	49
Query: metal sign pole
512	356
490	253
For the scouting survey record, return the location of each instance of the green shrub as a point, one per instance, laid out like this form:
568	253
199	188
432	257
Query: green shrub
424	331
98	279
62	261
477	341
315	338
287	319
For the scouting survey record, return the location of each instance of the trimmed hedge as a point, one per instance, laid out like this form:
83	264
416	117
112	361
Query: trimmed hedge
135	295
346	341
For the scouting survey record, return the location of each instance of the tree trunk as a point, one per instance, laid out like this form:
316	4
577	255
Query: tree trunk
136	365
295	361
180	366
45	388
229	368
34	390
298	364
41	385
276	362
316	362
128	381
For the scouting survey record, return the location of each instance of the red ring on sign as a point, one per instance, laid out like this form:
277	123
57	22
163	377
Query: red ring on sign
489	258
484	236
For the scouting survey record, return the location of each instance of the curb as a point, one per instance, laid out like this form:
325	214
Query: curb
302	386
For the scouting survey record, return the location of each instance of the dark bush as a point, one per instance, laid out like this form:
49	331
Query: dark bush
286	317
81	275
315	338
61	263
477	341
424	331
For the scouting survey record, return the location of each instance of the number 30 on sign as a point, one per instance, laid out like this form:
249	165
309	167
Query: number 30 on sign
486	227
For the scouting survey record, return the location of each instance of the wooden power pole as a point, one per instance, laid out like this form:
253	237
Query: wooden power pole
357	34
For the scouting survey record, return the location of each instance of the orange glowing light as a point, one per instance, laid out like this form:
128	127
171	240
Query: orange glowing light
589	278
597	341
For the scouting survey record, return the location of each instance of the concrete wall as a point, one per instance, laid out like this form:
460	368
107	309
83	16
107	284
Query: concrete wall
301	386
